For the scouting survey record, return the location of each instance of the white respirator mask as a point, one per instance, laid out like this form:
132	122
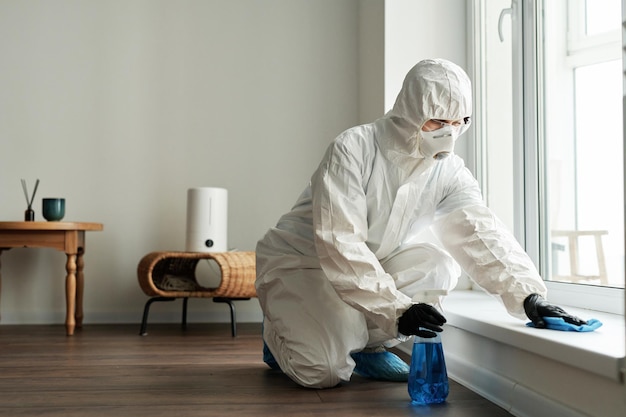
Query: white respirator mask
439	144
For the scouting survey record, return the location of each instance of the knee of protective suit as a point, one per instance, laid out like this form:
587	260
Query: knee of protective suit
311	372
316	375
424	272
308	366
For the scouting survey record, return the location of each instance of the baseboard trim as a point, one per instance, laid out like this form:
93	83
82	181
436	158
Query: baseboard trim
518	400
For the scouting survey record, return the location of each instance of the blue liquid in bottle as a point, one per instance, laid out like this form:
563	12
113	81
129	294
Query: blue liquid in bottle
428	377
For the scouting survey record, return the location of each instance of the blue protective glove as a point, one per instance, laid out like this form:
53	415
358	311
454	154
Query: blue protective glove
558	323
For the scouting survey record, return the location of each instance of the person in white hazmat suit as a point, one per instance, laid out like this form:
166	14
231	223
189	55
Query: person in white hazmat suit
341	276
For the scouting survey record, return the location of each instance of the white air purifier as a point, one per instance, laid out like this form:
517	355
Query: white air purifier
207	220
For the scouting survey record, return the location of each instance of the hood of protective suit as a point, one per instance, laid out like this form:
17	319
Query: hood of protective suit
433	89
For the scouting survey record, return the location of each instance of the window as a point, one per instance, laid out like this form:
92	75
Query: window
580	87
551	154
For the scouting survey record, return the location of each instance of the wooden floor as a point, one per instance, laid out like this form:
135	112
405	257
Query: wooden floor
203	371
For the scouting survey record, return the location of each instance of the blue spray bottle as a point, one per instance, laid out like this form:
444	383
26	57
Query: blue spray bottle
428	377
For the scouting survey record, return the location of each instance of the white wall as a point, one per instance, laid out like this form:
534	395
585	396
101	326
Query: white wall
120	106
416	30
371	69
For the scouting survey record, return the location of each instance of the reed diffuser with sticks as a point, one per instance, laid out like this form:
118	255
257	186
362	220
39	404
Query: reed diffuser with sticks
29	214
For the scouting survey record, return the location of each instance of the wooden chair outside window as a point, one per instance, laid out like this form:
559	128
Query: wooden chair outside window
573	243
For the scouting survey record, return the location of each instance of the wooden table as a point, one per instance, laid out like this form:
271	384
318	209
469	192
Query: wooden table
68	237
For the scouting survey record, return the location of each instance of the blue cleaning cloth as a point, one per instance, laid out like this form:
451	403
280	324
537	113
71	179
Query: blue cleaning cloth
557	323
383	366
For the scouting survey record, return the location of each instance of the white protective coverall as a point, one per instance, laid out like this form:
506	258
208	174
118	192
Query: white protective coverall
337	272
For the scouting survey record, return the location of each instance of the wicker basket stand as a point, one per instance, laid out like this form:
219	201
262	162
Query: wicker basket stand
166	276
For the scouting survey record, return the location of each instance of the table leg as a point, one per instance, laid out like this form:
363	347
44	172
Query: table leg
70	294
80	285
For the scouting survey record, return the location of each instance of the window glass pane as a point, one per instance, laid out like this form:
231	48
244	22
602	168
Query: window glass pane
583	141
602	16
498	188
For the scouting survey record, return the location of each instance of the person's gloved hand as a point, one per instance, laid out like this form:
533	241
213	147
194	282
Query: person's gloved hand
537	308
421	315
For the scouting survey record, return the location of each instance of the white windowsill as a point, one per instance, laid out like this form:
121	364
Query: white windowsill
601	352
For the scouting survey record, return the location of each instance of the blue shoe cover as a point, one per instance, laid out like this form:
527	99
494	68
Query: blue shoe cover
557	323
269	359
383	366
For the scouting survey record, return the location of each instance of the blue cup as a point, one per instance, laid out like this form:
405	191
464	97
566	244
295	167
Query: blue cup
53	209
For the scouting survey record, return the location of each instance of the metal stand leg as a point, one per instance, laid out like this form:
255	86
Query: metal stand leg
229	301
233	319
233	325
146	311
185	313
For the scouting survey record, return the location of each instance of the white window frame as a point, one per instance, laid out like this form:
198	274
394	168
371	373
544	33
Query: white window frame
529	175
